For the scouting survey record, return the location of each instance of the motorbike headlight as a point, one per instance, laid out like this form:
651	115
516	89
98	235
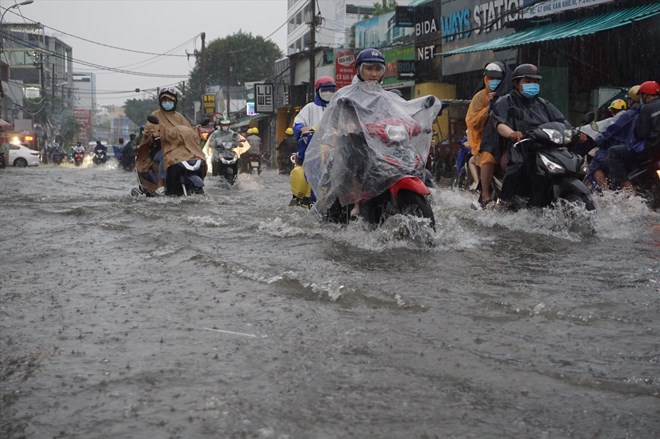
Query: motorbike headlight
551	166
568	136
554	136
396	133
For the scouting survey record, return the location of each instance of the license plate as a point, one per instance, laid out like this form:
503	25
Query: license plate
255	164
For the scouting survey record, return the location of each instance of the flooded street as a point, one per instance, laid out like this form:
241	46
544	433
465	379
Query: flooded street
234	315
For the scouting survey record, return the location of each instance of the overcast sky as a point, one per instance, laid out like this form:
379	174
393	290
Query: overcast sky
154	26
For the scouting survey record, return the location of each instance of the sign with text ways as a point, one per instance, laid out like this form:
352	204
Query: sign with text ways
263	98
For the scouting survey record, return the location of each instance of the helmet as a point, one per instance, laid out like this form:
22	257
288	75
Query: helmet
255	130
369	55
650	88
618	105
249	131
526	71
325	82
633	93
289	131
493	70
167	91
224	121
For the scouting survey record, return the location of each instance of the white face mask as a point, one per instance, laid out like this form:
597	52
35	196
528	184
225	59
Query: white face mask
326	95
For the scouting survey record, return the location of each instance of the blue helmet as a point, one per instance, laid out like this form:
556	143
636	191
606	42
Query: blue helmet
369	55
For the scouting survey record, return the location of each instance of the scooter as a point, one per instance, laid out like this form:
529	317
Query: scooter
78	157
100	157
126	157
301	191
550	169
224	161
379	169
57	156
182	179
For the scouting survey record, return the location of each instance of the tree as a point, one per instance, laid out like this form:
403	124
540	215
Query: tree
137	110
384	7
234	60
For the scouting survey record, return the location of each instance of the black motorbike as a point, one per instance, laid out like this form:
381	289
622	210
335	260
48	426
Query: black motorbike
646	179
57	156
225	161
548	169
100	157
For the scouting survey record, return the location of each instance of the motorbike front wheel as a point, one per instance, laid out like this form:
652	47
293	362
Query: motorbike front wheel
580	199
414	204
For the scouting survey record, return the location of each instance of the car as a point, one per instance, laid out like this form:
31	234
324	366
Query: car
22	156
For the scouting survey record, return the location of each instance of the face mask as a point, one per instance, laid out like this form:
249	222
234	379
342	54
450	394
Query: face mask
530	90
326	95
167	105
493	83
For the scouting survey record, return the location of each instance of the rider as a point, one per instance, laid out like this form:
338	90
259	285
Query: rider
171	148
536	111
254	153
287	146
616	133
310	115
100	147
223	134
646	140
476	118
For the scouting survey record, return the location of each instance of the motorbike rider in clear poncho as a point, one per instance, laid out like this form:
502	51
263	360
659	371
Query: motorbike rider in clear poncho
368	139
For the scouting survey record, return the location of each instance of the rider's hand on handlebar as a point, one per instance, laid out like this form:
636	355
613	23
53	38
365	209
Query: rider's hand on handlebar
516	136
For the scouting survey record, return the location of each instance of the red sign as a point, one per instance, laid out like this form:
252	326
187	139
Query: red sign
344	66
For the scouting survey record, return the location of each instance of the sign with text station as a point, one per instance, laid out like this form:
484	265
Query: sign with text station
263	98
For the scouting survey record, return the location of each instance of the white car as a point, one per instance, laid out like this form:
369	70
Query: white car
22	156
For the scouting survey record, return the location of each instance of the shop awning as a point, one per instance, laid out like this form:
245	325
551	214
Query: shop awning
566	29
245	121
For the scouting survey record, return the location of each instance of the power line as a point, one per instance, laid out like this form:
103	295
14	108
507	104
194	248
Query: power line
103	44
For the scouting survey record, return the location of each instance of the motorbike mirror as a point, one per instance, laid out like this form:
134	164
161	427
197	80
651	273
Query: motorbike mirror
429	102
593	125
588	118
205	122
153	119
515	113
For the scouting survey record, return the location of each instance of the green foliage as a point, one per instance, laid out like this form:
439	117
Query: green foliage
70	127
137	110
236	59
384	7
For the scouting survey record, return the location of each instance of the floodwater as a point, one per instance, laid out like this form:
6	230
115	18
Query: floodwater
234	315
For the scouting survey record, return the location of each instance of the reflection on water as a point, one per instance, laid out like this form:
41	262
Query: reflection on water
124	313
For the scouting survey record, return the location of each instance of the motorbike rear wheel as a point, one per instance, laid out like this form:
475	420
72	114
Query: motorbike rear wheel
414	204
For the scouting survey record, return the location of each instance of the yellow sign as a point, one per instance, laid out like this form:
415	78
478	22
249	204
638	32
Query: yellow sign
209	104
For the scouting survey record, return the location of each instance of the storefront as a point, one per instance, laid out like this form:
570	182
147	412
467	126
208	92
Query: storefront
580	47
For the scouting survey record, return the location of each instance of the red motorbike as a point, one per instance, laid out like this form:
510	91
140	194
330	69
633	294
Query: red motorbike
372	164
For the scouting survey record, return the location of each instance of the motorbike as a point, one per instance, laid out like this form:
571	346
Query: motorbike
253	163
100	157
126	157
369	162
550	169
57	156
224	161
646	179
78	157
301	191
182	179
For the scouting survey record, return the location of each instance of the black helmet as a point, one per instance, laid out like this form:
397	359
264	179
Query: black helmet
526	71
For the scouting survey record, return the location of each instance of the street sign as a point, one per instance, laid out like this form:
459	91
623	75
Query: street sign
263	98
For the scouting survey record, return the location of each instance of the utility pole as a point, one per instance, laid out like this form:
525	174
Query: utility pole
312	46
202	68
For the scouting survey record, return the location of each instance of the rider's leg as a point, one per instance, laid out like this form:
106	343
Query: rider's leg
474	172
488	166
